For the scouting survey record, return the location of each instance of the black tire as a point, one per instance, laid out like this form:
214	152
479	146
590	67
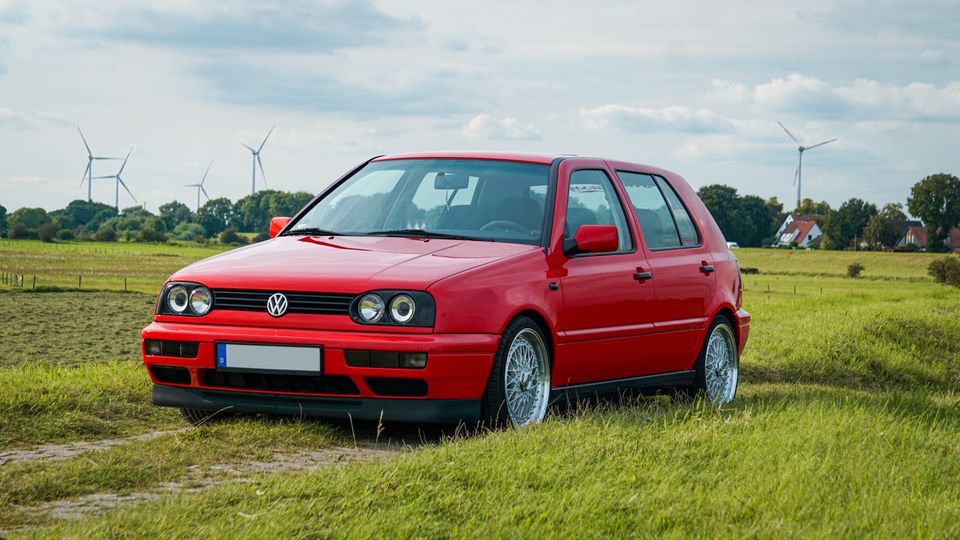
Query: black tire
200	416
699	387
493	404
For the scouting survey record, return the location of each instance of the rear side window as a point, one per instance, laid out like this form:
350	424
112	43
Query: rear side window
663	218
688	233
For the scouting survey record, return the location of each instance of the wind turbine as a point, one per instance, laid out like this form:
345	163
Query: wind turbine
120	182
200	187
88	173
797	179
256	161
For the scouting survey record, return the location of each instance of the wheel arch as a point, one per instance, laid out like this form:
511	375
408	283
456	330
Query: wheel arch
729	313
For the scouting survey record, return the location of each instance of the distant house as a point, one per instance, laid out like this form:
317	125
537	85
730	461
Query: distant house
800	231
916	235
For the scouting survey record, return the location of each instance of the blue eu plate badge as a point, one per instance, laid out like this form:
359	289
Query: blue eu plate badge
221	355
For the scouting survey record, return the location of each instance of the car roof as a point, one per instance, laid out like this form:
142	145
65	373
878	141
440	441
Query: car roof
524	157
545	159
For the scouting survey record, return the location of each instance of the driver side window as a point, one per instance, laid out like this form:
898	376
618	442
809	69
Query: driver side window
592	200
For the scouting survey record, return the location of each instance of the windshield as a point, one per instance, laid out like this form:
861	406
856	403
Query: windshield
474	199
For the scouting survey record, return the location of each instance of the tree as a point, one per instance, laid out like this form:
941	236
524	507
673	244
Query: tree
85	214
47	232
777	216
936	200
173	213
154	229
724	205
190	232
29	219
253	212
757	224
3	220
842	227
881	231
230	237
810	208
215	215
893	212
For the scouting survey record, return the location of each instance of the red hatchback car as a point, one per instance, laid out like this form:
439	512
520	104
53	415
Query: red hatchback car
458	287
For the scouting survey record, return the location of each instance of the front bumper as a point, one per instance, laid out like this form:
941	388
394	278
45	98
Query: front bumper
437	411
456	373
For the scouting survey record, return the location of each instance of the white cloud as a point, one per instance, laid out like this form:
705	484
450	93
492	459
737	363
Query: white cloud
863	98
674	118
484	126
13	120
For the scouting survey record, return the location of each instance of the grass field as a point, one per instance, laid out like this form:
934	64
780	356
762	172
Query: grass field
847	424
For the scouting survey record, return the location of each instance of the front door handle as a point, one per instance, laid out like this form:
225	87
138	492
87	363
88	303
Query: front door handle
706	268
640	276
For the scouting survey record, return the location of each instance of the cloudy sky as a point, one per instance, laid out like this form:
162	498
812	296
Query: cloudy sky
696	87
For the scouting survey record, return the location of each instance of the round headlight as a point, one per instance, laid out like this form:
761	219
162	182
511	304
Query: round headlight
402	308
177	299
371	308
201	300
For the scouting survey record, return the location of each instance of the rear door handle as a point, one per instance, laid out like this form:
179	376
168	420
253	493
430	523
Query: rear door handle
706	268
640	276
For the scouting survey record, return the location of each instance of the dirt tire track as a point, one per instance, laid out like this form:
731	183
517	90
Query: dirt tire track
67	450
199	478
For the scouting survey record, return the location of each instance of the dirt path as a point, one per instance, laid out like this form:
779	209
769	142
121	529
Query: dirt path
200	478
63	451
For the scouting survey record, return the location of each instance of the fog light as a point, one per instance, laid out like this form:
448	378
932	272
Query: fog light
413	360
153	347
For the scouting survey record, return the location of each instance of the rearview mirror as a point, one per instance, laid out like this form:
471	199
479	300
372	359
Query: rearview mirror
277	224
593	239
451	181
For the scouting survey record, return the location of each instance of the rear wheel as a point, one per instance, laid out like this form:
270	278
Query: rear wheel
518	391
717	372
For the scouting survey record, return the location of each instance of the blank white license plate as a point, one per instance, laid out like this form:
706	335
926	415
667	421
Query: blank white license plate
268	357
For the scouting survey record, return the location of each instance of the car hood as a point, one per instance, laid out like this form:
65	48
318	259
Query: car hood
347	264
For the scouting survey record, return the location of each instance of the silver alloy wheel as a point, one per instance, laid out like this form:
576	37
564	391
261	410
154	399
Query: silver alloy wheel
527	378
721	365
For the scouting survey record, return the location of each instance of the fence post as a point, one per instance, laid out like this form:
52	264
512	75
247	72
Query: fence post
79	282
124	284
34	282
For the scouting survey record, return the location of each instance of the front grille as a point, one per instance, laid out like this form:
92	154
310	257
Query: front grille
299	302
278	382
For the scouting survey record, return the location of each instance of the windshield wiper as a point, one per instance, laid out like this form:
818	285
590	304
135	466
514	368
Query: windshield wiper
421	233
310	231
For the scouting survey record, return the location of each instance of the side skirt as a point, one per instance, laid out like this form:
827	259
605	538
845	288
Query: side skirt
590	390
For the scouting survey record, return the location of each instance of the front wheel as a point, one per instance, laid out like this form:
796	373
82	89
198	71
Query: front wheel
518	390
717	371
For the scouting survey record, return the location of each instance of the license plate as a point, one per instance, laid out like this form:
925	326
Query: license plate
238	356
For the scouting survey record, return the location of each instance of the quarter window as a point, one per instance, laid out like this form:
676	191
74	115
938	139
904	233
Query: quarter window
592	200
663	218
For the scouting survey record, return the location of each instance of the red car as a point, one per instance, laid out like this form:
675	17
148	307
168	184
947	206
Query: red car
449	287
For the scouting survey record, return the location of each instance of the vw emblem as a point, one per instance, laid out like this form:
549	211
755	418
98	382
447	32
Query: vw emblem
277	304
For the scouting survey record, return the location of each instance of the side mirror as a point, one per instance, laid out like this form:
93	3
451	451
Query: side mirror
277	224
593	239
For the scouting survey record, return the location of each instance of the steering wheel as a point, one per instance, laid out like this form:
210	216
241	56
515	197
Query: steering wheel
505	225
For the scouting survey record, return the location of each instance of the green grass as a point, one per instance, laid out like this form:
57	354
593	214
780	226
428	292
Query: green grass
40	404
785	461
99	265
847	424
899	266
151	463
72	327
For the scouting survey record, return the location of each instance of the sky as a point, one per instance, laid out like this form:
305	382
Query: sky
694	87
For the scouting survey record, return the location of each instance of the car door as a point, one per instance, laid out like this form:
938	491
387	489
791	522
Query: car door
681	264
606	310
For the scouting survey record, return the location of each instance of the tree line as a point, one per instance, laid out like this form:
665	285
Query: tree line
753	222
217	218
749	220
